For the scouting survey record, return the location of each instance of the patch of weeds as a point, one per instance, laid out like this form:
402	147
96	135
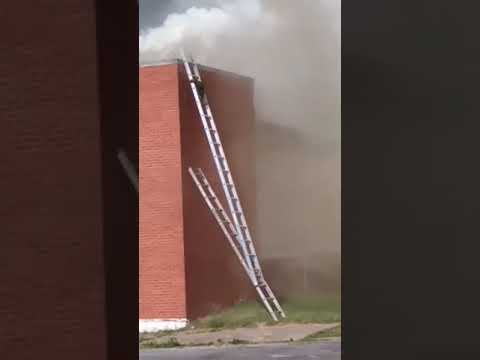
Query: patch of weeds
145	336
201	344
171	343
245	314
299	309
215	323
324	334
312	309
236	341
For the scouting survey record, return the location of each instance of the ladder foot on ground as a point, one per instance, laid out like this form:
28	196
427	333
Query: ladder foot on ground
238	229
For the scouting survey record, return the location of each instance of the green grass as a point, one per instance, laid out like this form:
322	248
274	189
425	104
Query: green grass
312	309
173	343
152	335
152	344
323	310
335	332
298	309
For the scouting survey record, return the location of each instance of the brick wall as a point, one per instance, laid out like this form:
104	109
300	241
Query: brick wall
162	275
187	268
51	262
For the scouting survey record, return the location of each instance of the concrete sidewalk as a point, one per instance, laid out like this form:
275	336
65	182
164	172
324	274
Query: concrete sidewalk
260	334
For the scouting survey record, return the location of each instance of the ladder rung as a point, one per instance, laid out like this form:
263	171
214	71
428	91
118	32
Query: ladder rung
238	228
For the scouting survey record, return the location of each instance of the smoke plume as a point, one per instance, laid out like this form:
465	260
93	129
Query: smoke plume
292	50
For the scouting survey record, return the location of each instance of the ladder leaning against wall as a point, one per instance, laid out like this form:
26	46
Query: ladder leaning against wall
236	230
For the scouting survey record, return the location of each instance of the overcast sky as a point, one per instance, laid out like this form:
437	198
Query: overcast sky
153	12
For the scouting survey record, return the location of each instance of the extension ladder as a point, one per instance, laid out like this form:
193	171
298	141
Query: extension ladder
242	233
255	276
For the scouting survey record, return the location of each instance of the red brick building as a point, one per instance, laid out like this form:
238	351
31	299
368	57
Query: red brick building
187	268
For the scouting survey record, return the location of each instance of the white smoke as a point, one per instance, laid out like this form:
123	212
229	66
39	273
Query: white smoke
200	27
292	50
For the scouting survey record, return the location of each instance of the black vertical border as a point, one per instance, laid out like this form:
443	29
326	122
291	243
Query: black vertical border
410	180
117	41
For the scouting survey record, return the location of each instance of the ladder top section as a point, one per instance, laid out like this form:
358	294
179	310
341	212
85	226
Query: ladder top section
200	66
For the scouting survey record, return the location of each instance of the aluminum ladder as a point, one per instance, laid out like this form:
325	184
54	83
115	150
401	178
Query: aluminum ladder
256	277
242	233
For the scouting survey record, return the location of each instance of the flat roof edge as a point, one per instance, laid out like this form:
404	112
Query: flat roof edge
202	67
160	63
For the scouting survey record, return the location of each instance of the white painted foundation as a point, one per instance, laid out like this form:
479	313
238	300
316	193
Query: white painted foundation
152	325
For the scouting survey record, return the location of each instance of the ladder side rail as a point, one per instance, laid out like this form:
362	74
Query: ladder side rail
221	223
216	201
257	268
249	271
230	192
214	151
275	301
238	215
260	283
236	209
266	303
243	234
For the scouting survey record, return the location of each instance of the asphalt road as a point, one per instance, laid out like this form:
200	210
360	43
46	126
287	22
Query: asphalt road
320	350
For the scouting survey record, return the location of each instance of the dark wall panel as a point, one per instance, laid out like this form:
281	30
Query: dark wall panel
117	33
